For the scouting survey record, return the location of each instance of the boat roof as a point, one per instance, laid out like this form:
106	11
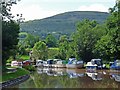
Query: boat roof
90	64
39	60
95	59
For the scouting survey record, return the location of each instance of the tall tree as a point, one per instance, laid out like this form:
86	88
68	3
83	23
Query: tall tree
51	41
40	51
30	40
113	25
109	45
63	47
85	38
10	30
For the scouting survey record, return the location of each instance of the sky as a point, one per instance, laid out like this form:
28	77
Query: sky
39	9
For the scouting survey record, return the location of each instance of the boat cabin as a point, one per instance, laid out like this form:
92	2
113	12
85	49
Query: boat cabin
115	65
50	61
98	62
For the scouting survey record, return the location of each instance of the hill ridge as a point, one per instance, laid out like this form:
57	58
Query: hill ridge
63	23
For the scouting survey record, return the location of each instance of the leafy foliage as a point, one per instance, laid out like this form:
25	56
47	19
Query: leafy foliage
40	51
26	42
51	41
10	30
109	45
63	47
53	52
85	39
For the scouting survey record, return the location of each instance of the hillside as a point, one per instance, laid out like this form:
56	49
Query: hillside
63	23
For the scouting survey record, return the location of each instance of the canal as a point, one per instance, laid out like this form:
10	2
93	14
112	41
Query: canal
72	78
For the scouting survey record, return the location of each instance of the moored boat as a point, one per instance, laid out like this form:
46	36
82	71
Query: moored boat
91	66
59	65
74	65
115	65
39	63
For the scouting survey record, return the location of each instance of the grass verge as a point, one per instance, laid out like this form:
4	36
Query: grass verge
8	76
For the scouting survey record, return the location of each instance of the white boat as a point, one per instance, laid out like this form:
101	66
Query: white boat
39	63
59	65
91	66
98	62
74	65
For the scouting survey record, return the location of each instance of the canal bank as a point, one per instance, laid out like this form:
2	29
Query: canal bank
14	76
15	81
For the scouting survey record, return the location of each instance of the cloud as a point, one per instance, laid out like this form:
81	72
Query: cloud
38	9
33	12
93	7
78	1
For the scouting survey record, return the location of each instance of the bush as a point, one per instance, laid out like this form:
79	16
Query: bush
10	59
53	52
30	68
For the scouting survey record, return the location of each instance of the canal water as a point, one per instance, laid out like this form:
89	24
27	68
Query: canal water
72	78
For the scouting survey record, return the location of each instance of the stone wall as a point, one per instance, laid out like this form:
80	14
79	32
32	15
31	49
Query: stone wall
14	81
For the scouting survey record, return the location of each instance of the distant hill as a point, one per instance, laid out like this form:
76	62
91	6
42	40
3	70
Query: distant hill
64	23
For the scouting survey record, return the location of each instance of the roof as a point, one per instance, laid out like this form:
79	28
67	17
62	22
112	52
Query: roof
90	64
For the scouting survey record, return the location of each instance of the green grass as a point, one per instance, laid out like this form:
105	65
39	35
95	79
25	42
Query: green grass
25	57
9	76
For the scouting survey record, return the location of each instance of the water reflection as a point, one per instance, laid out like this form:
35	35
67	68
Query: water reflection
72	78
115	76
94	75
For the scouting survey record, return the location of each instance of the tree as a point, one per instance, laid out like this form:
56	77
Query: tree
10	30
51	41
102	48
63	47
26	43
113	25
30	40
85	38
71	50
109	45
40	50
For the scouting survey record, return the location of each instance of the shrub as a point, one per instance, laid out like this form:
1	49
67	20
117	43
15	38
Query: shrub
30	68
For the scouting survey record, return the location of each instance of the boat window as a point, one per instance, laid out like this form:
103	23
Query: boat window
118	64
98	62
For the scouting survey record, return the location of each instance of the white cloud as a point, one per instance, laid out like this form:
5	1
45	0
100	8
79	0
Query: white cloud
94	7
32	12
78	1
38	9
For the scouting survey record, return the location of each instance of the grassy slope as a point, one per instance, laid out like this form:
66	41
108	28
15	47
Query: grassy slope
64	23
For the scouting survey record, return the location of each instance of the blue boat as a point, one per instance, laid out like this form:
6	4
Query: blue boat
115	65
